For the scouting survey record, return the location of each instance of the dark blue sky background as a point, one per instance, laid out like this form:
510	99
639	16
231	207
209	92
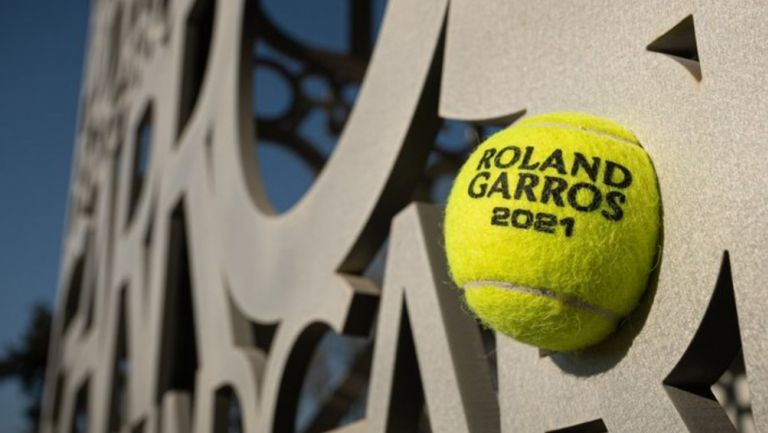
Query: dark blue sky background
41	47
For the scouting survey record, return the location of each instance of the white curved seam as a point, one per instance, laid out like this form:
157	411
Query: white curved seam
585	129
571	301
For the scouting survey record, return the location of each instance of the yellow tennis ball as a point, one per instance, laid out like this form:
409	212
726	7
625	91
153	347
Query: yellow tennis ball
552	229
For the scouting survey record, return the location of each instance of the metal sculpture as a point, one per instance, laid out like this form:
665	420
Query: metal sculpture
188	303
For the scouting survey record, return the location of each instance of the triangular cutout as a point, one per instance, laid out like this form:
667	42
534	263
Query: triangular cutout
595	426
679	43
712	351
178	343
408	405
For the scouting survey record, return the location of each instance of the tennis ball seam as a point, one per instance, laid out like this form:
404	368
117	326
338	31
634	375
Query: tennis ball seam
569	300
583	128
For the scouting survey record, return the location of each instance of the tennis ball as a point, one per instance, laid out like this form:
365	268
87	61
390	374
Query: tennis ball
552	229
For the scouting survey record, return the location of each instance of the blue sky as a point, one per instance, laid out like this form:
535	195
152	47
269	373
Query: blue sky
41	44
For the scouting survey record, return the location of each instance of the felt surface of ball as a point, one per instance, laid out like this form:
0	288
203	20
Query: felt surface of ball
552	229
